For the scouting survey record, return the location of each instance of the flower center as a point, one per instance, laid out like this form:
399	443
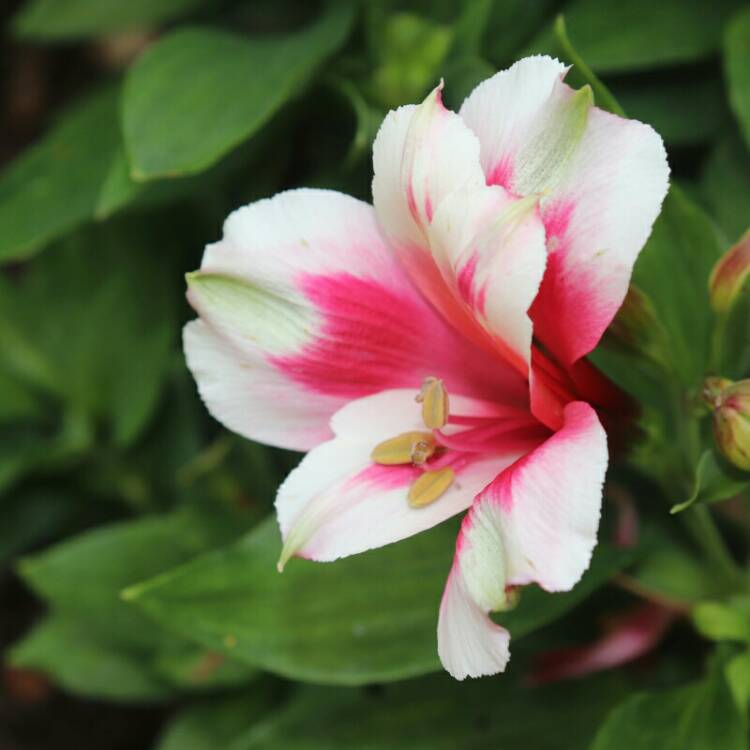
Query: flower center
440	453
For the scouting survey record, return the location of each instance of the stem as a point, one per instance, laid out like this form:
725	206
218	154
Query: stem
697	519
701	526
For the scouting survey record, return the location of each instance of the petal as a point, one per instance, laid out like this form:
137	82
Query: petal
490	248
630	637
536	522
549	503
304	308
421	154
603	179
337	502
247	395
469	643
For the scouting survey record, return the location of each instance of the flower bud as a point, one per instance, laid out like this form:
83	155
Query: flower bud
729	275
730	403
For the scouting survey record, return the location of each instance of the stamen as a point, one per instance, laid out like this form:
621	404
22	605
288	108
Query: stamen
409	447
430	486
434	400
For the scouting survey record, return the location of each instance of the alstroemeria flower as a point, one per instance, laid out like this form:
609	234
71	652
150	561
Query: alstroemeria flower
498	250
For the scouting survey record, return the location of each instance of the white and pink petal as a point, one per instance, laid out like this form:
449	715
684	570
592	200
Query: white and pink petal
601	179
536	522
303	308
337	502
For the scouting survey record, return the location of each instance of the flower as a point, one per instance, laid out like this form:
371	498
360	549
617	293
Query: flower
427	352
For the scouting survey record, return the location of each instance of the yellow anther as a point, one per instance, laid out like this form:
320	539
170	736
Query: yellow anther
409	447
430	486
434	400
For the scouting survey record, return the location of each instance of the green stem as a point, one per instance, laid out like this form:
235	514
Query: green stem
701	526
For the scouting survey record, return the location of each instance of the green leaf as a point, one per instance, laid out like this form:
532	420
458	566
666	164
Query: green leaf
700	716
215	723
726	185
342	623
636	34
438	714
99	341
671	571
339	623
715	480
82	577
411	50
82	663
59	19
187	666
737	65
724	620
54	186
511	24
669	105
737	672
198	93
673	270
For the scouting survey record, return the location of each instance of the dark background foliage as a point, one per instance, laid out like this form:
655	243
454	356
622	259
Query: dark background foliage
139	603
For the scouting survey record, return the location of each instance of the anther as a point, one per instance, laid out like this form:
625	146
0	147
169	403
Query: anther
409	447
434	400
430	486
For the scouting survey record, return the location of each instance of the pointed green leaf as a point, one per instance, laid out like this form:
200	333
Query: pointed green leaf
737	64
60	19
199	92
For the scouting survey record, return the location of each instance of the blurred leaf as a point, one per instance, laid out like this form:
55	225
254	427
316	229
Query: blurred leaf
33	516
100	312
669	105
215	723
343	623
700	716
671	571
637	34
54	19
724	620
737	62
715	480
673	270
54	186
602	94
83	576
438	714
511	24
470	27
188	666
737	672
411	50
726	185
80	662
198	93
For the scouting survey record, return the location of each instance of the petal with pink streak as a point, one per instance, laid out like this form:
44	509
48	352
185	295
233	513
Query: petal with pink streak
536	522
422	154
338	503
490	248
303	308
603	179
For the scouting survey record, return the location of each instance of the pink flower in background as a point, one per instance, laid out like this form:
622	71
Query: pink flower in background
498	250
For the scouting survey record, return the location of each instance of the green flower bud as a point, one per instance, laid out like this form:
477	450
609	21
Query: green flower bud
730	403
